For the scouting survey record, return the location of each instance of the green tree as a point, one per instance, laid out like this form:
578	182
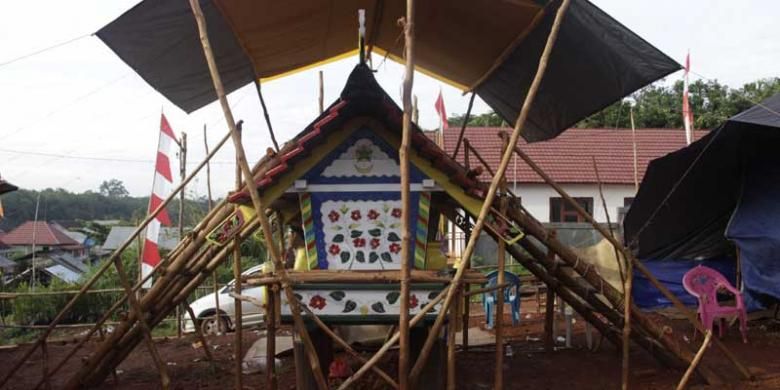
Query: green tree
488	119
113	188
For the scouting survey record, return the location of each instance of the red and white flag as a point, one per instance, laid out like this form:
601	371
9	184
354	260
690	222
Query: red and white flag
161	188
686	108
442	112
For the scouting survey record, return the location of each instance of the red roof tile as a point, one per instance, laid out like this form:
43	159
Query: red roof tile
46	234
568	158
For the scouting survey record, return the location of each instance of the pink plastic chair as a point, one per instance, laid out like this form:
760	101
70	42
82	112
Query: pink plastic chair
704	283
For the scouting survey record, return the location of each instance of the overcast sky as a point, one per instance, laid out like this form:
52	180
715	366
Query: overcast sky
77	115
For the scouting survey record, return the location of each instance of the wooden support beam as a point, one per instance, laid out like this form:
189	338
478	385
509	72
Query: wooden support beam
690	315
256	201
198	332
549	305
491	194
326	276
406	223
451	331
499	321
270	335
237	307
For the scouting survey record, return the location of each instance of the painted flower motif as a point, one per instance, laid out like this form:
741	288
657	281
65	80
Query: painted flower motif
413	302
334	249
375	243
317	302
355	215
373	214
396	212
359	242
395	247
333	216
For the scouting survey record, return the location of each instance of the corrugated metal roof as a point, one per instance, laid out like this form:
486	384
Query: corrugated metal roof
169	237
63	273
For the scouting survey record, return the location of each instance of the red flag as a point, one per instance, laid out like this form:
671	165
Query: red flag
442	112
161	188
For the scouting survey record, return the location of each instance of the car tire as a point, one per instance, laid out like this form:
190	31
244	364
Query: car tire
208	325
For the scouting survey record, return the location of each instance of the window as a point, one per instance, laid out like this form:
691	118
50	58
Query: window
562	211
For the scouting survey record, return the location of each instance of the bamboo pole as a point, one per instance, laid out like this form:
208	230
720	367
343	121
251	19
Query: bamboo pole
165	380
391	341
487	289
635	263
237	305
270	332
321	97
696	359
627	288
549	305
453	328
463	126
499	372
486	206
403	156
198	332
182	174
106	265
265	111
257	203
45	366
211	206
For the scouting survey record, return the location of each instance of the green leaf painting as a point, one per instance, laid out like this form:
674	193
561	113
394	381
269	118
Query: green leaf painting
337	295
349	306
392	297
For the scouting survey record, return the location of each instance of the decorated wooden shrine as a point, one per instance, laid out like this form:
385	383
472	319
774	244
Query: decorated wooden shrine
338	182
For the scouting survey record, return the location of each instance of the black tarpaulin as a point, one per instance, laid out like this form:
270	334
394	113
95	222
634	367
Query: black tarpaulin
596	60
687	198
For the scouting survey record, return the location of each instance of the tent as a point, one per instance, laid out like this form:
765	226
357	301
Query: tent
491	48
719	193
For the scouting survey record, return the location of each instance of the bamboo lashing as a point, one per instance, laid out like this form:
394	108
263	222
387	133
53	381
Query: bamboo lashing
256	202
488	202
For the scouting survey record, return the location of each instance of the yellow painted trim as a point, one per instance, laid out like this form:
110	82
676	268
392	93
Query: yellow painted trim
326	61
421	69
470	203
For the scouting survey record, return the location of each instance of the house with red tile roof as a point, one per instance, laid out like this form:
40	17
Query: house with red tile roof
44	236
569	160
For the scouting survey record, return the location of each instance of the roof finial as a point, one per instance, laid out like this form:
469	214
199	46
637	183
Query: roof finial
362	35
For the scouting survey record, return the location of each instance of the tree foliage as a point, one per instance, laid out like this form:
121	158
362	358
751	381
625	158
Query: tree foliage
113	188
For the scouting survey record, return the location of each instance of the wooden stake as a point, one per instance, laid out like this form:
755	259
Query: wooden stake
270	334
198	332
499	371
403	156
322	94
463	126
696	359
491	194
182	174
635	263
256	201
453	328
165	380
265	111
237	306
549	306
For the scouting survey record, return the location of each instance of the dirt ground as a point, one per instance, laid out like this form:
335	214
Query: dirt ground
528	367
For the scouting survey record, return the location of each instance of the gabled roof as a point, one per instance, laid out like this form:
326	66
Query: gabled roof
42	232
362	96
569	157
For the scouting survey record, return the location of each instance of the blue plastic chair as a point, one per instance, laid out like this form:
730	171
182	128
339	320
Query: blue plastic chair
511	296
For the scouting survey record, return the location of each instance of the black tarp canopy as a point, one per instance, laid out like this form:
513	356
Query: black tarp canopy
490	47
688	198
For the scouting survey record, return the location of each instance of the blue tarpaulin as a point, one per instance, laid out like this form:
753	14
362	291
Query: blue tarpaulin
670	273
755	226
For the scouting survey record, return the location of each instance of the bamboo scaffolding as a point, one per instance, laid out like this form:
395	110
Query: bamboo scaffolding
532	90
198	332
106	265
182	174
257	203
211	206
549	306
452	329
499	371
637	264
391	341
403	157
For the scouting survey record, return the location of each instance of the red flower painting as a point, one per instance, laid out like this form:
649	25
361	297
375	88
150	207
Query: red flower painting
395	247
359	242
317	302
355	215
413	302
334	249
396	212
375	243
333	216
372	214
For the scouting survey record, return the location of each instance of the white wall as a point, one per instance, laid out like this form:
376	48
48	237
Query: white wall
536	198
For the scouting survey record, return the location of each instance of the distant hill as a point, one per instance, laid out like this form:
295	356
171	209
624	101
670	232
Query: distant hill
62	205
